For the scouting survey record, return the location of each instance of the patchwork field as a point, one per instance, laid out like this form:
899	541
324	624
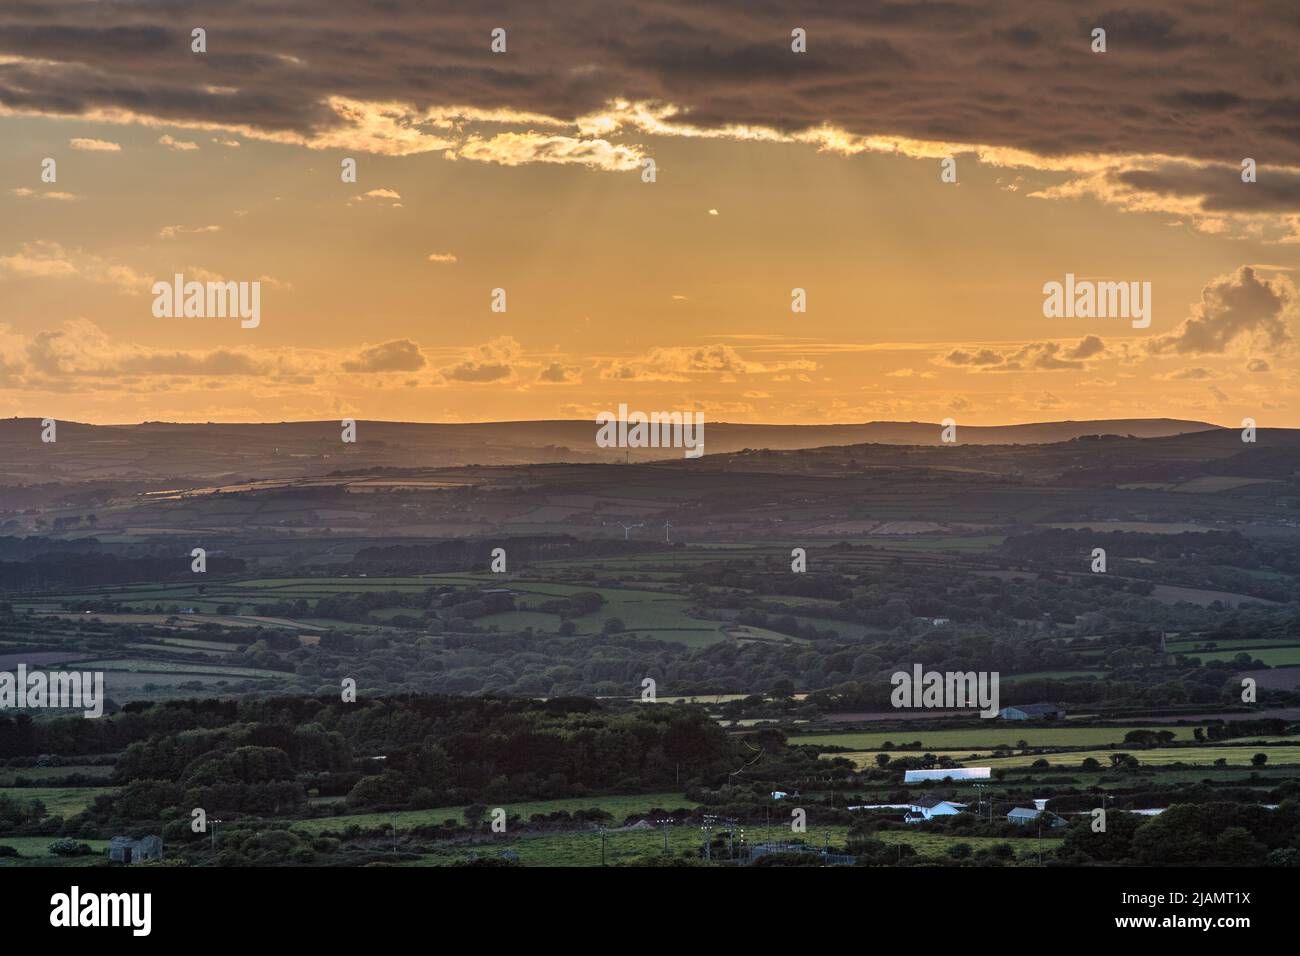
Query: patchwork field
9	774
626	846
619	806
34	851
59	801
979	738
1196	756
1158	756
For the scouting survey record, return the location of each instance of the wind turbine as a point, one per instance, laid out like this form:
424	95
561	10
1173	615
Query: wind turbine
666	527
629	527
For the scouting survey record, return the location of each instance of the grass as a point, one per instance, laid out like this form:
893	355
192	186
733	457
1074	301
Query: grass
139	665
1145	527
1050	675
978	738
168	649
1196	645
572	848
583	848
1240	774
59	801
922	542
1159	756
35	852
620	806
867	758
654	614
650	613
985	757
518	620
936	844
1270	656
10	774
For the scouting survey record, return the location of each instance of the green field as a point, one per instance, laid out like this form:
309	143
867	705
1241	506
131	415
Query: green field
934	844
59	801
168	648
1157	756
518	620
650	613
978	738
139	665
1196	645
9	774
1051	675
867	758
625	846
619	806
35	852
1270	656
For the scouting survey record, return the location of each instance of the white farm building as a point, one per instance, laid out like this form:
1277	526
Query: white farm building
931	806
955	773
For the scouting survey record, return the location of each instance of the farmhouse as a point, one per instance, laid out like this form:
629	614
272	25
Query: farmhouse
1032	712
950	773
931	806
1024	815
125	850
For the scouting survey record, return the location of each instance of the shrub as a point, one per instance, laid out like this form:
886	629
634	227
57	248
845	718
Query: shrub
68	847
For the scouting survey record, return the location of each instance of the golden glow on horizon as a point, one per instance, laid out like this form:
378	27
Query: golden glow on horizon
924	297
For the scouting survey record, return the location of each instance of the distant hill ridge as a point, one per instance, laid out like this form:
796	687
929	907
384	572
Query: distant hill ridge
210	451
893	433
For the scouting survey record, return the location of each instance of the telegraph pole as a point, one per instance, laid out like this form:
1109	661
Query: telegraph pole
664	823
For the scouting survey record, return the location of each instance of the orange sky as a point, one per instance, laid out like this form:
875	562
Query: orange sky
924	298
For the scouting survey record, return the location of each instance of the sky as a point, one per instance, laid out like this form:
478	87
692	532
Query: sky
526	171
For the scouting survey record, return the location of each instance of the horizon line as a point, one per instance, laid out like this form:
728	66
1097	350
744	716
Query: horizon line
589	421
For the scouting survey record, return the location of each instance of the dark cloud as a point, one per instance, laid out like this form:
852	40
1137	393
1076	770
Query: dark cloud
1148	30
479	372
1035	356
218	363
1088	346
1207	100
1234	308
1021	38
494	361
1219	189
399	355
1192	373
982	358
559	374
1180	78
